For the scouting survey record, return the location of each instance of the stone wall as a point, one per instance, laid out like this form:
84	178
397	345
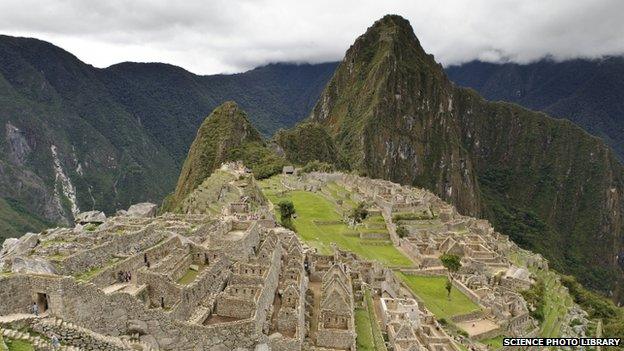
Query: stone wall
336	338
161	290
100	256
133	263
73	335
469	293
80	302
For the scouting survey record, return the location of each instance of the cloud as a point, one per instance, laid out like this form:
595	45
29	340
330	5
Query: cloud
232	36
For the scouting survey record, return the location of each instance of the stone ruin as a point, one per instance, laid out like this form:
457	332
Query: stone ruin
227	277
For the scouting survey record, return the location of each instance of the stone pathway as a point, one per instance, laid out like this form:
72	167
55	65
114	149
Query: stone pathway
10	318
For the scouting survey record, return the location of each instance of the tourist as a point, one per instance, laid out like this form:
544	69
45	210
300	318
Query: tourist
35	309
55	341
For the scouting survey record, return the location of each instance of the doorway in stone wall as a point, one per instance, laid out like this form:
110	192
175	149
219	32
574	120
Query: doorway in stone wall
42	302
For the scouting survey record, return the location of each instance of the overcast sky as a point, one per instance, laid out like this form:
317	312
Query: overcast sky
218	36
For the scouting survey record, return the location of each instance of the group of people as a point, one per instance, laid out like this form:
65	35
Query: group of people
124	277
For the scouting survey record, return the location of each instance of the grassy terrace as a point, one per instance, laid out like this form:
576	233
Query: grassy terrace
369	335
433	293
319	224
556	300
18	345
556	305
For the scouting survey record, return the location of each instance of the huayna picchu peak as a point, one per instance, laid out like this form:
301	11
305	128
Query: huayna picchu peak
391	210
225	135
552	187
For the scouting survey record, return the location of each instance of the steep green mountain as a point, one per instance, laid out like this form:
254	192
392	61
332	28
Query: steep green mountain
589	93
308	142
74	137
225	135
545	182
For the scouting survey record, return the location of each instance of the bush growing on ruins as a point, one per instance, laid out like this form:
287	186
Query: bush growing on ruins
359	213
401	231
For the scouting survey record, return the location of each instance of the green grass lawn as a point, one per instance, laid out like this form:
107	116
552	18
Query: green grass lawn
369	335
19	345
494	343
312	209
433	293
364	338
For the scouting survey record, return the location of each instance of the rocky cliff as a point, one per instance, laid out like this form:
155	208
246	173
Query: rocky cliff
545	182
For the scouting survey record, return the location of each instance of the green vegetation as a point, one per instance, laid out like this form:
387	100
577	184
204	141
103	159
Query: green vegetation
401	231
430	289
598	307
91	227
553	305
369	337
364	341
378	339
535	297
286	211
188	277
16	220
309	144
359	213
451	262
319	224
317	166
19	345
88	274
550	193
495	343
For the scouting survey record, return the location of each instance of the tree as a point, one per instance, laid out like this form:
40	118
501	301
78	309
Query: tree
286	210
401	231
451	262
359	213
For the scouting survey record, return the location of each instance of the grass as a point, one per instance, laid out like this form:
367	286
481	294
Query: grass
369	335
495	343
556	305
88	274
19	345
374	324
313	210
364	340
188	277
431	290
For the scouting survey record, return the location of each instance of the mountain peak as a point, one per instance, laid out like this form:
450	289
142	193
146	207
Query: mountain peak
226	129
